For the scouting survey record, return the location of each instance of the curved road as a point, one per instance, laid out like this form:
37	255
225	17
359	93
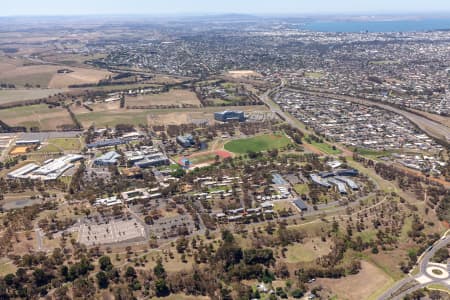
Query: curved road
425	276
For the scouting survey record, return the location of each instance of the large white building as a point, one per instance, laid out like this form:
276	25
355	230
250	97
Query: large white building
50	170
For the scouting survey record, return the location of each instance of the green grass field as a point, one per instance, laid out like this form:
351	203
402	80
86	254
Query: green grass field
258	143
326	148
66	143
373	153
301	189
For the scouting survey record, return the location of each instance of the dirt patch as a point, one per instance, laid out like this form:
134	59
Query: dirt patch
360	286
243	74
175	97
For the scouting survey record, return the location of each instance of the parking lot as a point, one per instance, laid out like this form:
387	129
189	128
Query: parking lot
112	232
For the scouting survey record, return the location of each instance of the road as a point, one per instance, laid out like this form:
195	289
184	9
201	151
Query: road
425	276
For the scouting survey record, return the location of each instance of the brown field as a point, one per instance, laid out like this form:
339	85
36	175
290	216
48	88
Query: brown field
243	74
112	116
34	75
369	281
175	97
79	76
46	76
36	115
19	95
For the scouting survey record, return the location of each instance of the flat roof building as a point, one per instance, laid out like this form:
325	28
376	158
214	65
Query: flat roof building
186	141
108	159
229	116
300	204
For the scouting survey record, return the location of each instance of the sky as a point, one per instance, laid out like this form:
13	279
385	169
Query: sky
190	7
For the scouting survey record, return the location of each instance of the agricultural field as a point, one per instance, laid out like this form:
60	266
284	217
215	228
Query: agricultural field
175	97
113	117
46	76
258	143
78	76
36	116
19	95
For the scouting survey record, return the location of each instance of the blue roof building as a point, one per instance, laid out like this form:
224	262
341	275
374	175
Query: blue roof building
301	205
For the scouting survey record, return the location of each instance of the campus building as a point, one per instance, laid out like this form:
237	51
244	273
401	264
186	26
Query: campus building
229	116
186	141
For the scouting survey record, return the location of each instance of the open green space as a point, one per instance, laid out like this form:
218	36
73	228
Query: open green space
66	143
313	75
325	148
301	189
373	153
258	143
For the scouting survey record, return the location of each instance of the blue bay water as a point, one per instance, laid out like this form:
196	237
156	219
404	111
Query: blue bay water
378	26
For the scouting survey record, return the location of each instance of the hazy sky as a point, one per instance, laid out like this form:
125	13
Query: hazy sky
82	7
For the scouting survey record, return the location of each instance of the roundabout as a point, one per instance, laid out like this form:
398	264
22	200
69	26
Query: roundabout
437	271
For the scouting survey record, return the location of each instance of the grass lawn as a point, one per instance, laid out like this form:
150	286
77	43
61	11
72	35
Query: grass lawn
326	148
373	153
66	143
307	252
301	189
199	159
258	143
314	75
49	149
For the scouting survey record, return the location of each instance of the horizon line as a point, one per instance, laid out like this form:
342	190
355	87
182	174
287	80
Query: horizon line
250	14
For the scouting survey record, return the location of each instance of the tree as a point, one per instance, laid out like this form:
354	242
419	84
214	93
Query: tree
161	288
40	277
159	270
102	280
83	289
130	273
105	263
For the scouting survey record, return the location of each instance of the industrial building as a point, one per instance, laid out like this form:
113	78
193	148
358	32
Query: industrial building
229	116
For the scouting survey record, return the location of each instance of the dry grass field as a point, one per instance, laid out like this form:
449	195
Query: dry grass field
243	74
13	71
109	114
78	76
38	75
36	116
369	281
18	95
307	251
175	97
